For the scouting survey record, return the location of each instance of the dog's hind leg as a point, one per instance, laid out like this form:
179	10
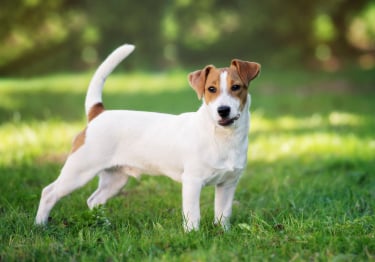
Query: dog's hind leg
111	181
77	171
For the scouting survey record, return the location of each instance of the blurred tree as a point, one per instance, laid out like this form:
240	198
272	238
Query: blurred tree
33	30
128	21
277	32
38	36
342	16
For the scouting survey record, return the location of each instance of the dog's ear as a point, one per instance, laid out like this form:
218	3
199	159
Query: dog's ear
246	70
197	80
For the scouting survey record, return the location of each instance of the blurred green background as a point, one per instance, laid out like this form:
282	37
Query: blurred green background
38	37
308	193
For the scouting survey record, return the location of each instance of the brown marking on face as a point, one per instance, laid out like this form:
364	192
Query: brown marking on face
234	80
95	110
206	82
212	86
78	141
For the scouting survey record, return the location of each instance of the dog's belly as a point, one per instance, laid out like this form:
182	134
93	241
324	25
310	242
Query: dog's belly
137	168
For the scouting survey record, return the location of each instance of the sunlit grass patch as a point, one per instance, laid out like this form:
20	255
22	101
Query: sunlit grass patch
315	121
333	136
27	142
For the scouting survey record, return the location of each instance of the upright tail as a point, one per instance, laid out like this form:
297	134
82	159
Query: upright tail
93	103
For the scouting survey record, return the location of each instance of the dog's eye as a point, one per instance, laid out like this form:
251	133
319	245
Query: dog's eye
212	89
235	87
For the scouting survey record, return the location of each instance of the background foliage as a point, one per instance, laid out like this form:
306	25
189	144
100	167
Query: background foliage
34	34
308	193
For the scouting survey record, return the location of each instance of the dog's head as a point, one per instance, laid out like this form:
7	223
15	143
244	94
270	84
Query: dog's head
225	90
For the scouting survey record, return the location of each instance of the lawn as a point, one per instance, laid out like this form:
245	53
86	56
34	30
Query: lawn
308	192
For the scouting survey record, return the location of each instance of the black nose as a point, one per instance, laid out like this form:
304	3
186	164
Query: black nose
223	111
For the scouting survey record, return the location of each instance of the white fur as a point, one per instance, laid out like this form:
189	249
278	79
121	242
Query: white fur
94	93
223	82
190	148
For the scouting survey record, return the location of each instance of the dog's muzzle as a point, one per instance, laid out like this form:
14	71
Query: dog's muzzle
224	112
228	121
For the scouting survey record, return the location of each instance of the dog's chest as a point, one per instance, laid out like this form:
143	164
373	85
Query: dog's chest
228	162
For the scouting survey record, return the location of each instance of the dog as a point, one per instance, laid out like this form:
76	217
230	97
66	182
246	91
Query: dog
206	147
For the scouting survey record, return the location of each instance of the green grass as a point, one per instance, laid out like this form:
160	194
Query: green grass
308	192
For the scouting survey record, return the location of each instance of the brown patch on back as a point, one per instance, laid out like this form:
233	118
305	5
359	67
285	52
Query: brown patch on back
78	141
95	110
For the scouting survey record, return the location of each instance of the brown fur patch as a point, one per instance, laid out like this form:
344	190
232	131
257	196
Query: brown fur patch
78	141
239	72
213	80
235	79
246	70
95	110
197	80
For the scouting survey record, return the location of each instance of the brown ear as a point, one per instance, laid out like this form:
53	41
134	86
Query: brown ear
246	70
197	80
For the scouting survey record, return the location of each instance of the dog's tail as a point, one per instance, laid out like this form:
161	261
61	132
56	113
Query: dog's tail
93	103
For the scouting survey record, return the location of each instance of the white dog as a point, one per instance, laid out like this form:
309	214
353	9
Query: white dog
207	147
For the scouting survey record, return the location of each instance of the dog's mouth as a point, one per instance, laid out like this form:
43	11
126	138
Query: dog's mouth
228	121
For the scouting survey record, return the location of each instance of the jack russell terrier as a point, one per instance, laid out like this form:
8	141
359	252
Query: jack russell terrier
207	147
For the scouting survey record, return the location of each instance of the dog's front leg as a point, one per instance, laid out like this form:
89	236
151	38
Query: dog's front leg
224	194
191	190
